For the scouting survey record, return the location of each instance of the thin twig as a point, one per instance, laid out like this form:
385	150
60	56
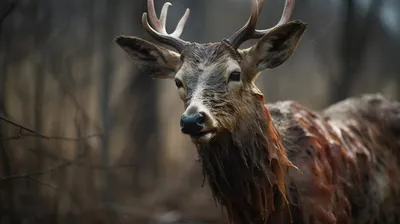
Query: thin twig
22	135
64	163
41	172
82	164
11	7
32	133
22	127
42	183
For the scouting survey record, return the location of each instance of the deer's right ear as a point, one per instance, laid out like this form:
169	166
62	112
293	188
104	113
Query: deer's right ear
158	61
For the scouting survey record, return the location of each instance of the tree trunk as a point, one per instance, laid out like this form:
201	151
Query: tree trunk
355	36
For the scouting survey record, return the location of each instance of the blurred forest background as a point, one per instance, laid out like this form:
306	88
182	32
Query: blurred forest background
94	140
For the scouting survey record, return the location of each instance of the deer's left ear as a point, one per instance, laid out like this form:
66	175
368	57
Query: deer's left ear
275	47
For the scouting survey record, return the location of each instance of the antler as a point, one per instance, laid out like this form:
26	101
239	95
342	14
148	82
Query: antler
159	31
249	31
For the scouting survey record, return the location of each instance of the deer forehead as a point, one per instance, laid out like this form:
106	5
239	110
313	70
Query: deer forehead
207	65
207	75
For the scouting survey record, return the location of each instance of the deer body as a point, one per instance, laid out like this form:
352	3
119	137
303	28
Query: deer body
275	163
345	165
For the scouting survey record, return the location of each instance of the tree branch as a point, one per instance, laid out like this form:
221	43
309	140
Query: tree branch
41	172
43	183
32	133
27	132
82	164
8	11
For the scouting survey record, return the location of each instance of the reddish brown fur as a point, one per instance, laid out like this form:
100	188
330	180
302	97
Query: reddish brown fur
342	176
337	180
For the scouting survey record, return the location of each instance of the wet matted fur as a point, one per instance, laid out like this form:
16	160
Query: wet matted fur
340	166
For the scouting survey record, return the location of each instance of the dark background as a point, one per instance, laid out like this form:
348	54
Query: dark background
99	141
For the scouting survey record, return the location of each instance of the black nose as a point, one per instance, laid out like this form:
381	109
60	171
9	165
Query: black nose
192	124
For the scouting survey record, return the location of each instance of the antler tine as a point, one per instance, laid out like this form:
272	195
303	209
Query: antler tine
286	14
159	31
248	31
181	24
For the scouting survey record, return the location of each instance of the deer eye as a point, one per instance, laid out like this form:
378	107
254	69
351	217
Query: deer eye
234	76
178	83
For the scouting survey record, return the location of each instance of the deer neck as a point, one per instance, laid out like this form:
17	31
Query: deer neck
246	169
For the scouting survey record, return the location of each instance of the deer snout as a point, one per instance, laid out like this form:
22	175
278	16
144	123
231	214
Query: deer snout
192	123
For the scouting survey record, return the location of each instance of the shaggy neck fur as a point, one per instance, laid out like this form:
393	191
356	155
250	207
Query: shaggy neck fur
246	168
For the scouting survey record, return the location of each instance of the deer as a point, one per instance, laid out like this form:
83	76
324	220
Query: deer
274	162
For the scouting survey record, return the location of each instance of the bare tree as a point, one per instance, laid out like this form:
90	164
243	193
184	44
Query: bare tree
7	205
355	35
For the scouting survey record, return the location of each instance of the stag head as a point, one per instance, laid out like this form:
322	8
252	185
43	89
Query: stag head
214	80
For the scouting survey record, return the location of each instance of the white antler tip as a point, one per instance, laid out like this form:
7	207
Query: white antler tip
157	26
